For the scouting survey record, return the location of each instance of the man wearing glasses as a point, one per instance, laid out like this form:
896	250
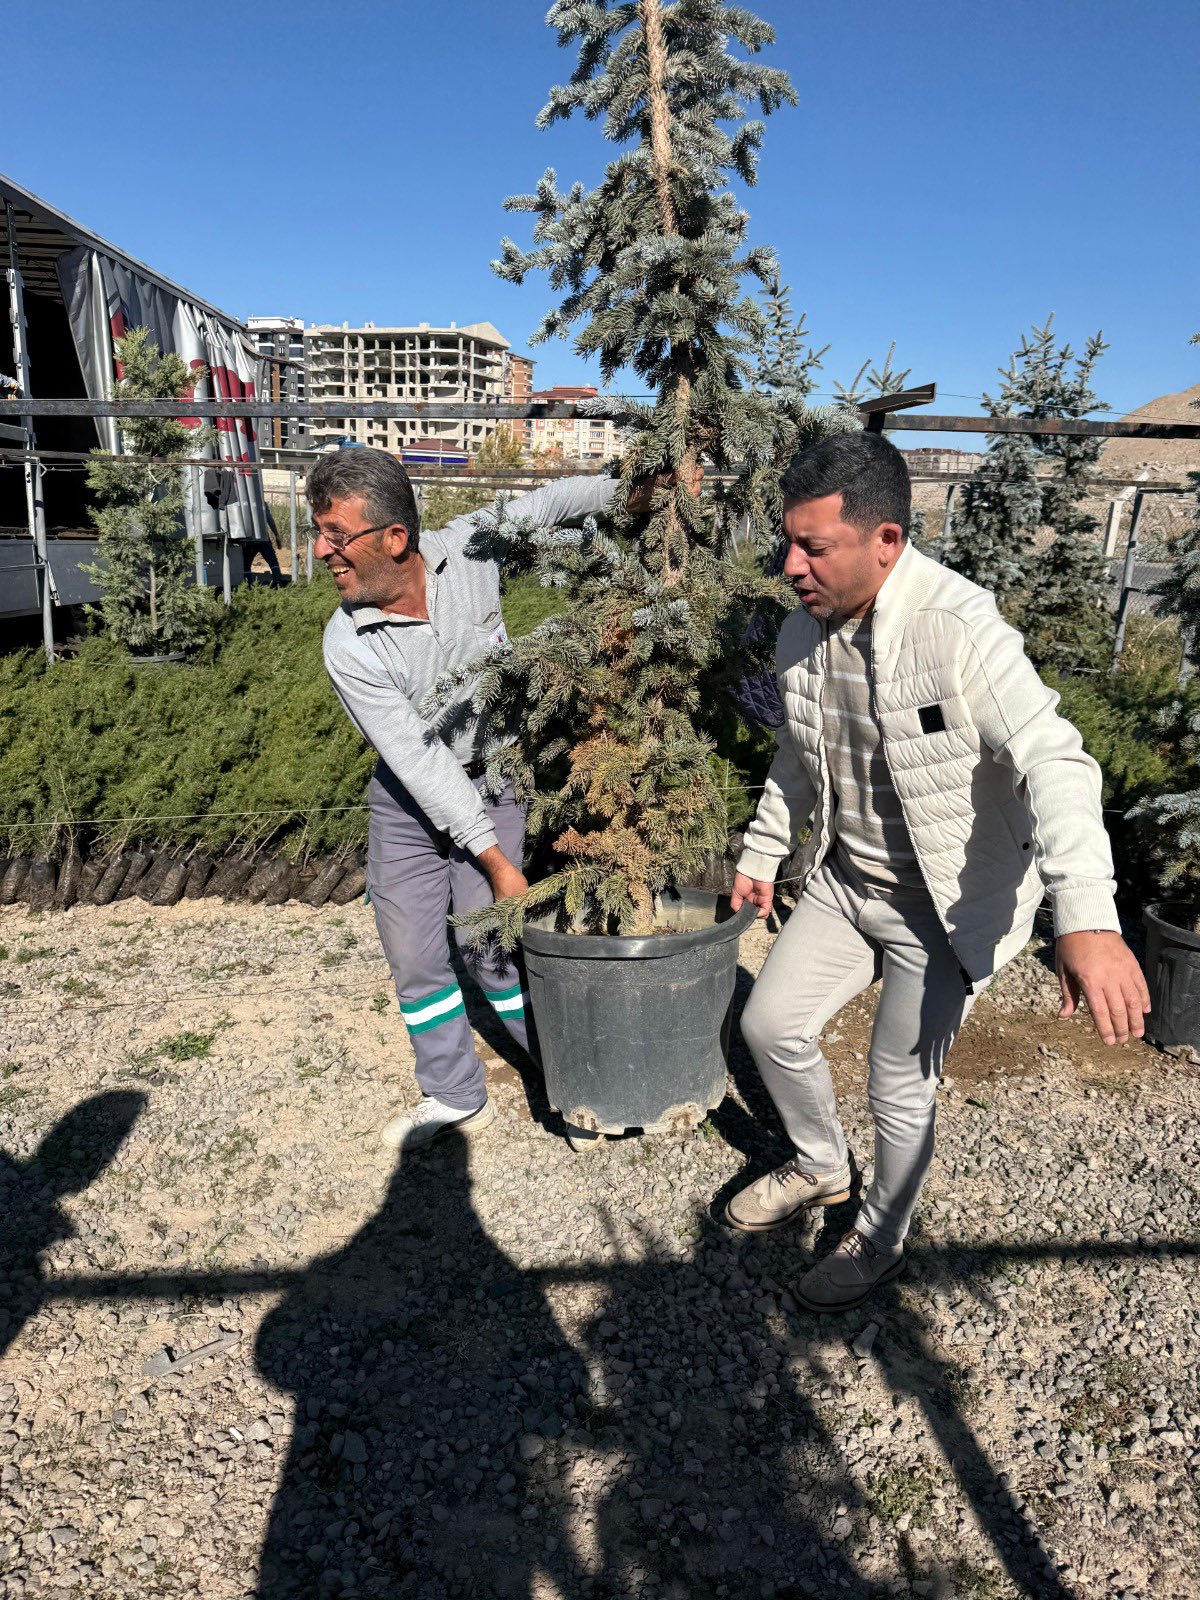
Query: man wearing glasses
415	606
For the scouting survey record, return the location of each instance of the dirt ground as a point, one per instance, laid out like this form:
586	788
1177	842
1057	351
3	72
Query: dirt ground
246	1356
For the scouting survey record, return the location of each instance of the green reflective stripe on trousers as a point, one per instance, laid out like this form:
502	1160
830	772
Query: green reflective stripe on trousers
457	1010
431	1009
506	1000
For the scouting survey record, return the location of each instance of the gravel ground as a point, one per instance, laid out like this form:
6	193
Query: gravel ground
244	1357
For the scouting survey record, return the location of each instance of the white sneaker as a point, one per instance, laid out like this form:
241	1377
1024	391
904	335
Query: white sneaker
429	1119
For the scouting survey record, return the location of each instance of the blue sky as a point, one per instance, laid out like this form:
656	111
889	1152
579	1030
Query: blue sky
955	169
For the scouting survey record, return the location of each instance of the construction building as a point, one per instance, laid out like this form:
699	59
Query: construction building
590	440
418	363
280	342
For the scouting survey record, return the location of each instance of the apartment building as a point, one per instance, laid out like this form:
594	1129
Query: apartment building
280	340
591	440
414	363
518	390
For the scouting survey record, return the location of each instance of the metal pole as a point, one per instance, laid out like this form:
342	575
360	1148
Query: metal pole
198	529
1135	525
1116	508
35	509
308	557
226	584
292	507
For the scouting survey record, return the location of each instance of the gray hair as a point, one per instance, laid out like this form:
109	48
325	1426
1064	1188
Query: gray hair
385	487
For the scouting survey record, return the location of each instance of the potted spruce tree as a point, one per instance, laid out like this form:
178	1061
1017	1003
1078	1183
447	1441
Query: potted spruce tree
1171	825
603	715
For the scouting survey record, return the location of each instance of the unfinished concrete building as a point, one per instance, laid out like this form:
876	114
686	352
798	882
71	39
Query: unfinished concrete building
421	363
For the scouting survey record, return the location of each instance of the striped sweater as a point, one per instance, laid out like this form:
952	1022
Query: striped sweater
872	838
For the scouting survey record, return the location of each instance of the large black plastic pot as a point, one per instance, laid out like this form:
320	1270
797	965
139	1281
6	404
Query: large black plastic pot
634	1031
1173	976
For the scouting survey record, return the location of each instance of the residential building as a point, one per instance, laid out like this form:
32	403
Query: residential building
414	363
518	390
280	341
590	440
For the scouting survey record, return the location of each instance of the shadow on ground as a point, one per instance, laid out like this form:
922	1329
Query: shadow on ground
450	1440
69	1159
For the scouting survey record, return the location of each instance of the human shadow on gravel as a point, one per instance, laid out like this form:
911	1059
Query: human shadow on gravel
730	1482
732	1479
912	1366
438	1409
69	1160
448	1435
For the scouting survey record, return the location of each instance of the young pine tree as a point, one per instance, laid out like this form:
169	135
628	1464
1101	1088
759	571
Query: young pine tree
1057	595
1066	618
785	361
871	380
607	703
1169	824
149	601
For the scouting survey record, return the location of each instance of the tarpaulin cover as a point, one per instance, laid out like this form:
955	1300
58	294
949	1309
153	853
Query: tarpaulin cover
104	300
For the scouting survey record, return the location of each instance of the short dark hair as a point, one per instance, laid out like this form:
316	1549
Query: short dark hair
867	471
386	489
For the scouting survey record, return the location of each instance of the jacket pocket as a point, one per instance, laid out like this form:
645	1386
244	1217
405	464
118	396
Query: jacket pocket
490	630
1020	828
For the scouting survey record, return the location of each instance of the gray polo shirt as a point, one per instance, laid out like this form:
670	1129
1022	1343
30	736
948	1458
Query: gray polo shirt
383	665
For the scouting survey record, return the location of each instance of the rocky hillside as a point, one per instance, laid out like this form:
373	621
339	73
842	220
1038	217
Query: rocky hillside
1161	457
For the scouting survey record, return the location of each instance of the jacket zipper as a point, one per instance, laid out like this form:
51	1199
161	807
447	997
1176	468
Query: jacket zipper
824	809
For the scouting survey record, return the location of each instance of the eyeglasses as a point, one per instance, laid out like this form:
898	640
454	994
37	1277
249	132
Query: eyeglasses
339	541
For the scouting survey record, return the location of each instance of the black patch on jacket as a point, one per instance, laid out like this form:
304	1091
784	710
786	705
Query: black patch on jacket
932	719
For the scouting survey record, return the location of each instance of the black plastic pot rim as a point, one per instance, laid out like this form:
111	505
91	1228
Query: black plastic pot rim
639	947
1159	916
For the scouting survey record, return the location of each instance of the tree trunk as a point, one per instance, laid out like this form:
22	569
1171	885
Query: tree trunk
660	111
643	905
660	157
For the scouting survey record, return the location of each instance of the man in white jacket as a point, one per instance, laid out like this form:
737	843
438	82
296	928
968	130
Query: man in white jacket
946	798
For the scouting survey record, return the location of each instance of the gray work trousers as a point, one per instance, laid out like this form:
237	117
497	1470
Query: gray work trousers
416	875
842	937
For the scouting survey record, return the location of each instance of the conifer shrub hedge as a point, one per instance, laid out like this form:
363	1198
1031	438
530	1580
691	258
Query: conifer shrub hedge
234	751
243	750
247	749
